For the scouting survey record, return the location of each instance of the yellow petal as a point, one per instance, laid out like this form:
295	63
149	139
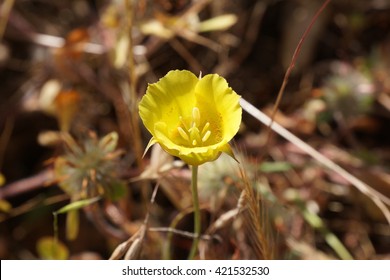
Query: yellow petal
168	99
220	103
190	155
200	158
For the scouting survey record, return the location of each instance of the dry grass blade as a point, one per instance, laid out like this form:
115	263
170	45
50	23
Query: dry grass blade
379	199
131	248
227	217
255	220
179	232
223	220
134	250
122	248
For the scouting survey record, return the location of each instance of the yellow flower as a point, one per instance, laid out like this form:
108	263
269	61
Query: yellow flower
191	118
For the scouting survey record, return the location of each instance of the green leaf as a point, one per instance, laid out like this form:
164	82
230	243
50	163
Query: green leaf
77	205
50	249
279	166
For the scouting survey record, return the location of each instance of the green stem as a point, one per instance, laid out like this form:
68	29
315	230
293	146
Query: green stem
55	243
194	189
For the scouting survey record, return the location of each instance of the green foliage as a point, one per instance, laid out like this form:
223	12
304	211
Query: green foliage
72	217
49	248
279	166
87	174
77	205
91	170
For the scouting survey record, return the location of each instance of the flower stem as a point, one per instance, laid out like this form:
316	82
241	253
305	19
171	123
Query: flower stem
194	189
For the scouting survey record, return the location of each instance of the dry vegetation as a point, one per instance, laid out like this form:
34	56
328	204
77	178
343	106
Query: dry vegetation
71	142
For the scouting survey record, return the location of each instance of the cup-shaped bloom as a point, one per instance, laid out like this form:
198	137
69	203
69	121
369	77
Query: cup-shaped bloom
191	118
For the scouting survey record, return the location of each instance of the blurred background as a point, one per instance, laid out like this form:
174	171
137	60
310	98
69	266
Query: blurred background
72	73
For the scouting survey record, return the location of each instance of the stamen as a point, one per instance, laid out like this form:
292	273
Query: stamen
205	128
183	133
206	136
196	116
182	122
189	130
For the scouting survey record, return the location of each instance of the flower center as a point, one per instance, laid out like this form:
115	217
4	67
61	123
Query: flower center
194	134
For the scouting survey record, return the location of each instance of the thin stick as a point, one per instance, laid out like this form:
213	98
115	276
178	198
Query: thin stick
175	221
25	185
182	233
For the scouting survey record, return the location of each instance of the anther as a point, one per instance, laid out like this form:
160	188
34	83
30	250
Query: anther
205	128
194	143
206	136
